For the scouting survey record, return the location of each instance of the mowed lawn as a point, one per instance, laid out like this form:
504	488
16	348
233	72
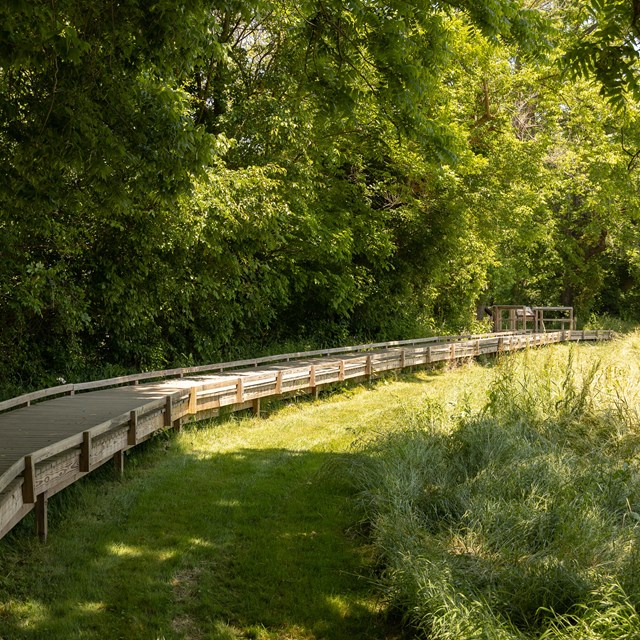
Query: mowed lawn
243	528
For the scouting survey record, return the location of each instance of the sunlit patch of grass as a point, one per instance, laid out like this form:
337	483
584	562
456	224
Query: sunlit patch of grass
124	551
25	614
91	607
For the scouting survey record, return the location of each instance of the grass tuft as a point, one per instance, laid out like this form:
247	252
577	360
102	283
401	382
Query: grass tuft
520	519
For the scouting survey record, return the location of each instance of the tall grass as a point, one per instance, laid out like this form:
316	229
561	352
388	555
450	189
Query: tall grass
520	519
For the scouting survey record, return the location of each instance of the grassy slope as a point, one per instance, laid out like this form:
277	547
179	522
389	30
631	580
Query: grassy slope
238	529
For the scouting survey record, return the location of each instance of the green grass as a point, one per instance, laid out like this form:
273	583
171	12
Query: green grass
239	529
520	519
487	501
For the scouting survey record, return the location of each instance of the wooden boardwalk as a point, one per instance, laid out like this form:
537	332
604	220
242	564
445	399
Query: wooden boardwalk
51	438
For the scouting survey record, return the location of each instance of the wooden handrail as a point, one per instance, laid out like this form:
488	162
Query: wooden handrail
52	392
95	445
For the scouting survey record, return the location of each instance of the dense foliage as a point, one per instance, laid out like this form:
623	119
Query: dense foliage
182	178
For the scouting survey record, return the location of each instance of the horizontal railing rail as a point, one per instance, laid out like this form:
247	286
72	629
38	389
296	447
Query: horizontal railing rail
33	478
73	388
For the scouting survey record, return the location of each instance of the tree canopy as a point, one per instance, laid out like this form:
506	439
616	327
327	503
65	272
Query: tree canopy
180	178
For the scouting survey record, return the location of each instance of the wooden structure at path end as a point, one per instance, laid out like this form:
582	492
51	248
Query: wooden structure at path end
517	317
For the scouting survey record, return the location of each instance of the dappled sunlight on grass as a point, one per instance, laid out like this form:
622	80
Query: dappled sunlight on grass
124	551
91	607
250	539
238	529
26	614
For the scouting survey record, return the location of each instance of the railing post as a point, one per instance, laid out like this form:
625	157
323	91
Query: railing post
132	434
279	382
42	521
315	390
239	391
168	412
368	368
29	484
402	359
118	463
85	452
312	376
428	360
341	371
193	401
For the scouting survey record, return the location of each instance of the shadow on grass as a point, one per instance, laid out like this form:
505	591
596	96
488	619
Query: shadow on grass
248	544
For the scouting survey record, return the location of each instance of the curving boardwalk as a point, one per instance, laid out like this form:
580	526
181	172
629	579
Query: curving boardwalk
73	429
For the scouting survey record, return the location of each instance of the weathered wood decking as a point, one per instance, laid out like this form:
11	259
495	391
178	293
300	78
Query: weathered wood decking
74	429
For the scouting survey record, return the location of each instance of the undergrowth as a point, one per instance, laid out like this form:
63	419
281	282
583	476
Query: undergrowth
520	519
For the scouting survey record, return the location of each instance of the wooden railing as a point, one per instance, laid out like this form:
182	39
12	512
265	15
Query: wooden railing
220	367
32	479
